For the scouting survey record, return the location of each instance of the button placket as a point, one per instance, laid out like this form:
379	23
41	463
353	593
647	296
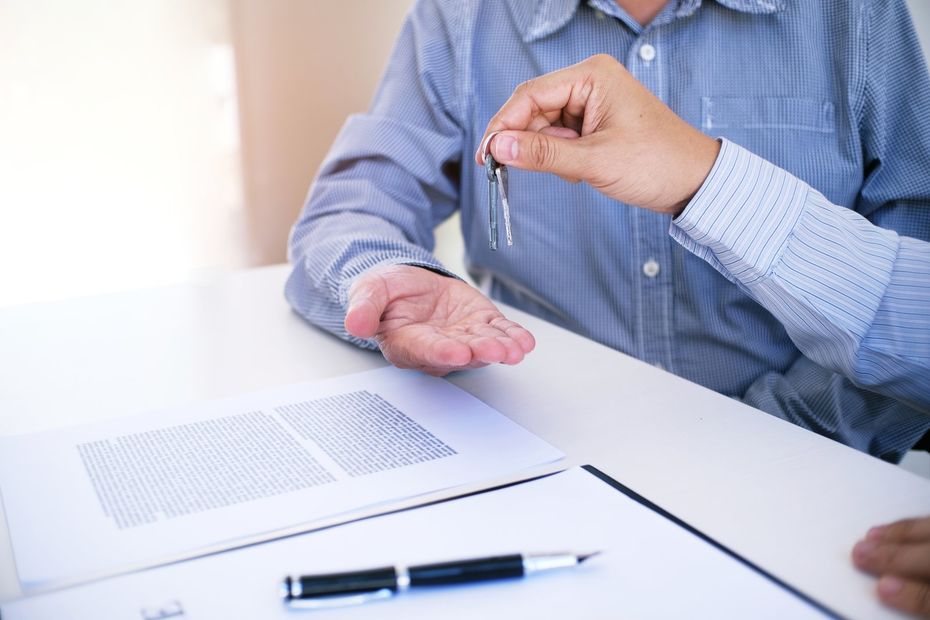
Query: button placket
653	250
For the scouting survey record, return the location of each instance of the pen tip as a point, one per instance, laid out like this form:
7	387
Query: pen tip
584	556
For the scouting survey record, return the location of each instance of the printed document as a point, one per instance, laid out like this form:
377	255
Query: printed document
649	567
146	488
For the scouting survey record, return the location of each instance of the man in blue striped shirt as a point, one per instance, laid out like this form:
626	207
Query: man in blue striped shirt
854	297
834	94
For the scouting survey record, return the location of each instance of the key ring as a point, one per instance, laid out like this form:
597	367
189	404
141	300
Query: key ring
485	149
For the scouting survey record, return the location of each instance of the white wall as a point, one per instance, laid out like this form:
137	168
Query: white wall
119	145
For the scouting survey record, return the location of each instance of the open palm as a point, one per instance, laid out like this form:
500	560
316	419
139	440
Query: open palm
431	322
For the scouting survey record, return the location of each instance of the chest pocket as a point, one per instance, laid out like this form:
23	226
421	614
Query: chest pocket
803	136
766	113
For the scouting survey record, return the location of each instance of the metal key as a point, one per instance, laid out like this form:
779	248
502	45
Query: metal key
491	167
497	195
502	190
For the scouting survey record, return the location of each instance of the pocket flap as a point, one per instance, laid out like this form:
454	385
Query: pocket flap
767	113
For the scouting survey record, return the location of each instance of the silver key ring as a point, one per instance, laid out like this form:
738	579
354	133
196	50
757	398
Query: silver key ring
486	145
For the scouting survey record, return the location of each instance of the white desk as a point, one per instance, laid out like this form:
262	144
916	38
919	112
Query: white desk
787	499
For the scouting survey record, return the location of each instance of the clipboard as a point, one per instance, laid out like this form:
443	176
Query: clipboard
653	564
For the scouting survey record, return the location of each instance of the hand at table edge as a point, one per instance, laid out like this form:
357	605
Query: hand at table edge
899	555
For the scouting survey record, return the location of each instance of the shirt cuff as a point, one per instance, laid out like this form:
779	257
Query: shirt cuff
742	217
360	268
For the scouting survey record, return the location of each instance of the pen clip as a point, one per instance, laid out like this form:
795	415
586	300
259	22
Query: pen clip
338	600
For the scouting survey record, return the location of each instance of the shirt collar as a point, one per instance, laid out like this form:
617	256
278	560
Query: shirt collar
539	19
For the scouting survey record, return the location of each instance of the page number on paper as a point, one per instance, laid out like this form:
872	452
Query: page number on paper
170	610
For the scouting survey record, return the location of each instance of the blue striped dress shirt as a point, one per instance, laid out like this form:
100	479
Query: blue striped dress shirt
746	292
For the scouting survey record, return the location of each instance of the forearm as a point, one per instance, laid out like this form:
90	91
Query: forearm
364	209
849	293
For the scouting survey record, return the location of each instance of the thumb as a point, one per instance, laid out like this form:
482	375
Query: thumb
368	297
541	152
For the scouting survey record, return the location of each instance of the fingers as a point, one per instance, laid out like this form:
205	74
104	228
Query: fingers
368	298
437	351
541	102
560	132
560	96
901	548
903	560
900	553
422	349
500	341
909	596
542	152
570	98
432	351
447	353
434	355
515	332
906	530
487	349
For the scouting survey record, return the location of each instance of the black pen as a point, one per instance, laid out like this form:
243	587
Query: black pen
350	588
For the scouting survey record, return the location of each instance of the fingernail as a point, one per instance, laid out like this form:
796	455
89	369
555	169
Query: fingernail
889	586
506	149
876	532
865	548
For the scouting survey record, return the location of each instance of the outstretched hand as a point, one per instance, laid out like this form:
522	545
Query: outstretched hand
430	322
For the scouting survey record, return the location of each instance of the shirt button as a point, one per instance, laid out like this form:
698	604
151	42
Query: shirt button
647	52
651	268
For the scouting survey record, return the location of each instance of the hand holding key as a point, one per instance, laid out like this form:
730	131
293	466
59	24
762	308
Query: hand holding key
430	322
594	122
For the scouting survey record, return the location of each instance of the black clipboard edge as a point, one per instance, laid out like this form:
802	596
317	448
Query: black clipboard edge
712	542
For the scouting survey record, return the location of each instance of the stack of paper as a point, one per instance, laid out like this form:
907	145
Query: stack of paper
146	489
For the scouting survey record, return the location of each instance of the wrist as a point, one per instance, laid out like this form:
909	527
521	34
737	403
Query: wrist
700	160
765	219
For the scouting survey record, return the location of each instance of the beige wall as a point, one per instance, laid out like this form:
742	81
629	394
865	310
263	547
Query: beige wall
303	66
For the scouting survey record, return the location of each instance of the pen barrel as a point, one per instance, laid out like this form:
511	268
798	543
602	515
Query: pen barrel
467	571
355	582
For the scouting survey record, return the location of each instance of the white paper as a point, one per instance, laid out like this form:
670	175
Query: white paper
649	568
92	499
